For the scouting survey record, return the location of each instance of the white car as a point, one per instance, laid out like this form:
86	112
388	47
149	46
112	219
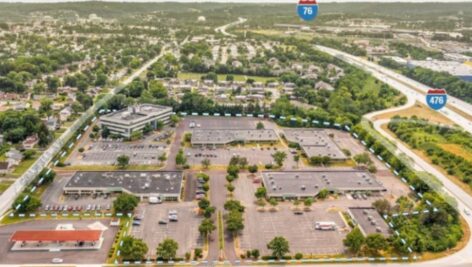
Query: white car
467	212
57	260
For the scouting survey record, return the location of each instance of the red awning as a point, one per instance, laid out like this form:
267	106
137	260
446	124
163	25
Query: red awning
56	235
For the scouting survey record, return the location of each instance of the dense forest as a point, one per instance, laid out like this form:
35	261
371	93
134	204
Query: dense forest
405	13
453	85
418	53
449	148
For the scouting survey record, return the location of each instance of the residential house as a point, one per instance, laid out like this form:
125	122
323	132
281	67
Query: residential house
65	113
4	167
324	86
30	141
14	157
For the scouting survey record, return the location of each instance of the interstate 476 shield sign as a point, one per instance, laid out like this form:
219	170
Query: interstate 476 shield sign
436	98
307	9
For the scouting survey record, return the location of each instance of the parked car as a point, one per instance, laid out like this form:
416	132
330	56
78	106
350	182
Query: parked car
57	260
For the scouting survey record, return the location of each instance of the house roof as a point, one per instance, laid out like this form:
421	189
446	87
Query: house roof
56	235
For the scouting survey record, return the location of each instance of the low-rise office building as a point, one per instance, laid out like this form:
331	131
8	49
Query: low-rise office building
314	143
202	137
302	184
143	184
126	121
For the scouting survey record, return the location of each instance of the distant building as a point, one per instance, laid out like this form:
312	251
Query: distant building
127	121
324	86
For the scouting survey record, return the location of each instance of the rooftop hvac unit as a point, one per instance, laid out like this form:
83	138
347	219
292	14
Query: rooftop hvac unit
378	229
303	187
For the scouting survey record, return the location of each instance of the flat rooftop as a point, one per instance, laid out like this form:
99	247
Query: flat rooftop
134	182
226	136
369	221
56	235
314	142
309	183
135	113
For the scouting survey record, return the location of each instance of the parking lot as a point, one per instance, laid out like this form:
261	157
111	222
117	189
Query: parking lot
105	151
184	231
54	200
255	154
263	226
203	122
45	257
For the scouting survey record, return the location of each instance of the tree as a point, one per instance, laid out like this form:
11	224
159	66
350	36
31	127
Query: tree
308	202
375	242
26	203
230	187
362	158
255	253
261	192
323	193
125	203
206	163
233	205
208	211
234	221
180	158
28	154
354	240
382	206
122	161
157	89
105	132
46	106
162	157
206	227
279	157
279	246
203	203
133	248
260	125
252	168
167	249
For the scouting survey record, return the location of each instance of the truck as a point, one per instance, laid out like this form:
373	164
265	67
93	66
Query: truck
155	200
325	226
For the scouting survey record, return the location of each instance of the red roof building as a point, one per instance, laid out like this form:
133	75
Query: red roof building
56	236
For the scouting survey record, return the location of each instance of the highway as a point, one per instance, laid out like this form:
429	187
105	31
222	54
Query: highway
222	29
410	89
407	86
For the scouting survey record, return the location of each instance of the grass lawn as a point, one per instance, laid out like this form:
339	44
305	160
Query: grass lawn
457	150
222	77
4	185
24	165
421	111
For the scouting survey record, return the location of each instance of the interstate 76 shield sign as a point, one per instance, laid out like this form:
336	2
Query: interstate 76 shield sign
307	9
436	98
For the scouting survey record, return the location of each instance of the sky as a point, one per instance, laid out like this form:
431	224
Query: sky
232	1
